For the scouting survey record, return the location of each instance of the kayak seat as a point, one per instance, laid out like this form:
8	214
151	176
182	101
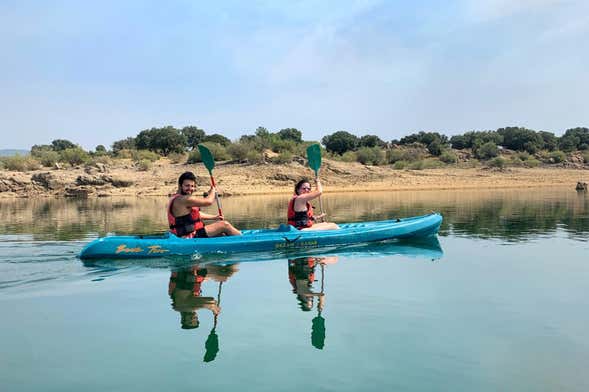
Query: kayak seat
284	228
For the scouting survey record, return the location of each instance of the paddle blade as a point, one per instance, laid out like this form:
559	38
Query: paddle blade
314	157
207	157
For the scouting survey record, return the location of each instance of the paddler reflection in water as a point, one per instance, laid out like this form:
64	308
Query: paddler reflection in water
185	217
185	290
301	275
300	210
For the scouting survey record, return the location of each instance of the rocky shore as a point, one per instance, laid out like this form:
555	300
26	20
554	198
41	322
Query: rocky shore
125	179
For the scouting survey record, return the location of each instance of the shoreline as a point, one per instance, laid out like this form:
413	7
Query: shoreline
265	179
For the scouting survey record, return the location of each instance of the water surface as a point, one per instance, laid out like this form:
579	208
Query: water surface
497	302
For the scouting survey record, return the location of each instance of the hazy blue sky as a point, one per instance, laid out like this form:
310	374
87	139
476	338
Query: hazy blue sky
96	72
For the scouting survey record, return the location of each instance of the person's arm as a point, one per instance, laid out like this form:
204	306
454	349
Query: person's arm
194	201
311	195
210	216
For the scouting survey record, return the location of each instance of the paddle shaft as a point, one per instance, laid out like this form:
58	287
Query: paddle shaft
320	200
216	194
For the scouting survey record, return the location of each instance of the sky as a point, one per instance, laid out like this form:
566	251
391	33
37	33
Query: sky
94	72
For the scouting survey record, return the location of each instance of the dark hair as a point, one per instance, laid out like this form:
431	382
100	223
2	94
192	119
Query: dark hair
186	176
299	184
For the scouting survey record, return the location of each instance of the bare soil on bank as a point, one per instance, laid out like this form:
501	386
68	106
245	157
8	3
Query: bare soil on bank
124	179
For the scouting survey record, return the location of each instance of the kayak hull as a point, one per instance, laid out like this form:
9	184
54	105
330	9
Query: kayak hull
262	240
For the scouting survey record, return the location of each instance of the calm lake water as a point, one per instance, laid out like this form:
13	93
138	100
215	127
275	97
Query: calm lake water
498	301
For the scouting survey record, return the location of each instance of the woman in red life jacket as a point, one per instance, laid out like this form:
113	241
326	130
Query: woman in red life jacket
300	211
185	217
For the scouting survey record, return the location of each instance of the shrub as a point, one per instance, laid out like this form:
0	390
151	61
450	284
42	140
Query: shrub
394	155
448	157
238	151
348	156
140	155
283	157
523	156
74	156
193	157
532	162
556	157
498	162
370	156
425	164
435	148
19	163
103	159
47	158
487	151
143	165
515	161
218	151
409	155
124	153
254	156
177	157
400	165
586	157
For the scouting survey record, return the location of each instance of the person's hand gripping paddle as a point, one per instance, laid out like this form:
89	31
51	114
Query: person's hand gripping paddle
209	162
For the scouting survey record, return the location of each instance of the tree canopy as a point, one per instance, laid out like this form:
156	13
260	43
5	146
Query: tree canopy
340	142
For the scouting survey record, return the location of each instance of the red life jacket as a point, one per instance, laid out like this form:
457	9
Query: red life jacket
300	219
186	225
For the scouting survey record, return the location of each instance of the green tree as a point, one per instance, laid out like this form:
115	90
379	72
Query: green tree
582	135
371	141
62	144
340	142
424	138
569	143
291	134
161	140
459	142
550	140
216	138
521	139
435	148
125	144
193	135
100	150
39	149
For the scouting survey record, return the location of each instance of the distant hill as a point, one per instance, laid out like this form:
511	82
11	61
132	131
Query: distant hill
9	152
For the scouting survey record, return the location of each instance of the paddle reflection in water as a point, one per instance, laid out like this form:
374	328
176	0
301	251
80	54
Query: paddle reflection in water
301	275
185	291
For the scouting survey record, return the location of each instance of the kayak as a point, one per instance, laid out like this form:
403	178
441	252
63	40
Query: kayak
283	238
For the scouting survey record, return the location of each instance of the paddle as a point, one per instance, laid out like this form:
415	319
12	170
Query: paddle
209	162
212	343
314	158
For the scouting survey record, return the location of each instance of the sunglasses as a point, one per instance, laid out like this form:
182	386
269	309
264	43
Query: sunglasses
306	188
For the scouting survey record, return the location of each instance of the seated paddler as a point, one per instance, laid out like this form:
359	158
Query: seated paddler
300	210
185	217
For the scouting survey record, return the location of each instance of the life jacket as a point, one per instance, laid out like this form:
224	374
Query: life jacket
300	219
185	225
190	279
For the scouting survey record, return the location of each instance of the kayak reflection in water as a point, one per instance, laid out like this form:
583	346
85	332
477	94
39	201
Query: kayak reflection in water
300	210
185	290
185	217
301	274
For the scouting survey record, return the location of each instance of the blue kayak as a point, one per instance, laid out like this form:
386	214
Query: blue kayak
283	238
